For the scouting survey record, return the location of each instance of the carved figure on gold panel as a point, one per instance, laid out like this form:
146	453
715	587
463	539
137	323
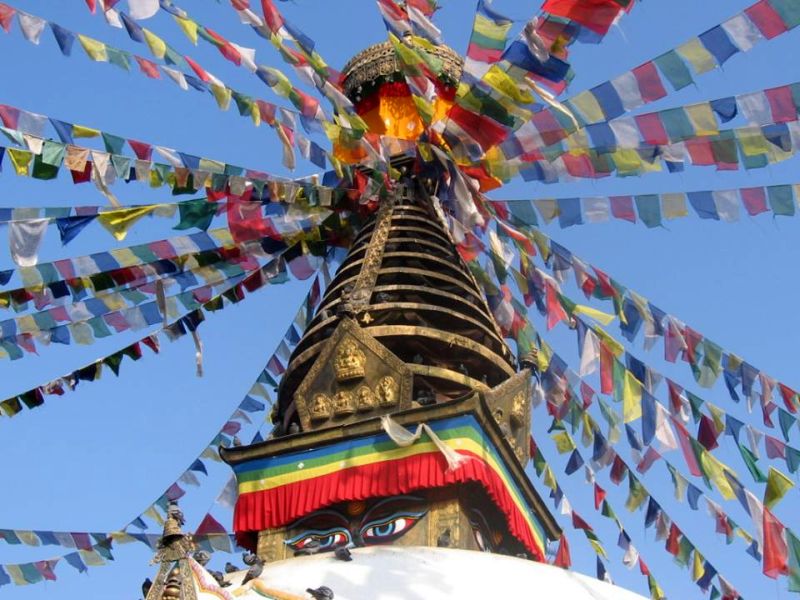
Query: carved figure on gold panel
387	391
343	403
365	399
320	408
350	362
518	410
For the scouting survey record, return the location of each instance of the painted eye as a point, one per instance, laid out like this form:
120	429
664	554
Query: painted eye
319	541
388	530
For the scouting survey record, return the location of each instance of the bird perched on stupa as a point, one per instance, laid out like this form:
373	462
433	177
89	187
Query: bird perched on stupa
256	565
321	593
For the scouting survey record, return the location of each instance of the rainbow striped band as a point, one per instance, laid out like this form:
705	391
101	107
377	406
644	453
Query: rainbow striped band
277	490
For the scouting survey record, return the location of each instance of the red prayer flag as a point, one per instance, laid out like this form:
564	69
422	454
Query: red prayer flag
486	132
201	73
148	67
555	312
597	15
141	150
652	129
622	208
767	20
707	434
272	16
782	105
776	552
686	448
673	541
563	558
599	496
755	200
606	369
651	88
6	16
579	523
700	152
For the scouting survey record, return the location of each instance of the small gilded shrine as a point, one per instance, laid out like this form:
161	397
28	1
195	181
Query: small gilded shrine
402	418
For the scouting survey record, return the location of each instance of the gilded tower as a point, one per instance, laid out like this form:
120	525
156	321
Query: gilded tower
403	417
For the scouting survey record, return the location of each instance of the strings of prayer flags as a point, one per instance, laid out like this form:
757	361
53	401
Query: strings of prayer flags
560	500
708	361
708	51
719	205
257	110
643	85
28	129
678	543
207	536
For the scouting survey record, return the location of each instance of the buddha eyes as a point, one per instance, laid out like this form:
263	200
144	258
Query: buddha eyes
389	529
319	541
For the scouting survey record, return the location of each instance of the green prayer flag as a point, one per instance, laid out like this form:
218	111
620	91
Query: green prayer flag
674	69
120	58
792	459
637	494
777	486
53	153
788	10
781	200
786	421
750	461
113	143
196	213
42	170
607	511
696	403
794	561
113	361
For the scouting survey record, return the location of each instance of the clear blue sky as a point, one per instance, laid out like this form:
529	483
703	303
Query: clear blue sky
94	459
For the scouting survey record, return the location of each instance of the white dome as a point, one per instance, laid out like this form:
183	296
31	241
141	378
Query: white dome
398	573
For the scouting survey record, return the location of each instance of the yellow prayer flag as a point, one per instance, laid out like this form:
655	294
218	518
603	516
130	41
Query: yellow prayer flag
578	140
21	159
588	107
598	548
188	27
631	398
79	131
16	574
548	209
222	95
28	537
158	47
92	558
27	324
81	333
702	118
154	514
673	206
627	161
752	141
549	479
616	348
94	49
598	315
563	442
777	486
716	473
696	55
500	81
698	566
118	222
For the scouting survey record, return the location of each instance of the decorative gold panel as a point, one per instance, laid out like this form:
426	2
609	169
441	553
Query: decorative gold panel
510	404
355	377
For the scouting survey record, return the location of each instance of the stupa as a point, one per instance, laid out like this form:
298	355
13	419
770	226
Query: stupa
396	467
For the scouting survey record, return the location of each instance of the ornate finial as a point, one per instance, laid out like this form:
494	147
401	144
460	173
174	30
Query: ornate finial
174	544
350	362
